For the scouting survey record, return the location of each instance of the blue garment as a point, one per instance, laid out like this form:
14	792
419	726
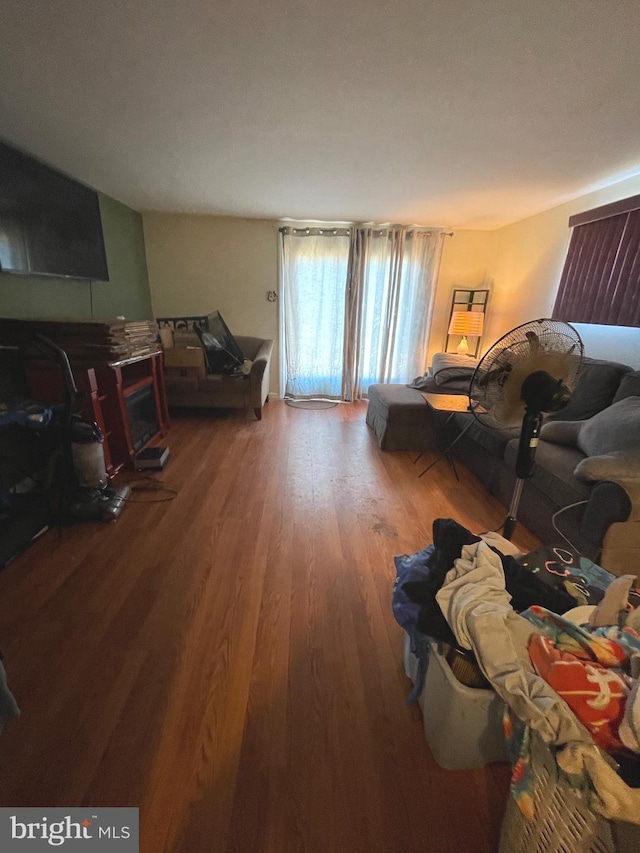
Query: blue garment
412	568
25	413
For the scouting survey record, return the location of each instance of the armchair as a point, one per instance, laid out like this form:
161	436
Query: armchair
221	391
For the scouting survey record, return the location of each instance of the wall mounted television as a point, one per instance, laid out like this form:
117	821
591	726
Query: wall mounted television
49	224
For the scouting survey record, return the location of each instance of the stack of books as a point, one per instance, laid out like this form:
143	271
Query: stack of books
86	341
141	337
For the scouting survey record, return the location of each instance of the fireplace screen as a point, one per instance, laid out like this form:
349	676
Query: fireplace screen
143	418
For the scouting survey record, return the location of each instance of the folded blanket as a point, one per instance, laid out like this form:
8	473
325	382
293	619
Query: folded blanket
449	366
428	383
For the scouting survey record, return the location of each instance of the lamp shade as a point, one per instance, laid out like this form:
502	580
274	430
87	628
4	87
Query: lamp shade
468	323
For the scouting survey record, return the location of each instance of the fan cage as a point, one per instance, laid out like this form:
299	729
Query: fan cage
550	345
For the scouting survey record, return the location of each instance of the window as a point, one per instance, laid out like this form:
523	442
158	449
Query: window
601	278
356	307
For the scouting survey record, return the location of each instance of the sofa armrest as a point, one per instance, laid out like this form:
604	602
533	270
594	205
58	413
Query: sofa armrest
259	375
608	503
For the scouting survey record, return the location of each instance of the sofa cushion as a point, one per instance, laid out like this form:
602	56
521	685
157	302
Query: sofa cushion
629	386
598	382
553	473
182	384
213	381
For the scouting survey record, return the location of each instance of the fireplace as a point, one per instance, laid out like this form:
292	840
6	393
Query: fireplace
143	416
126	399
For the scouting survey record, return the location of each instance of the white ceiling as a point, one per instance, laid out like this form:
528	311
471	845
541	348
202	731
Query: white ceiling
467	113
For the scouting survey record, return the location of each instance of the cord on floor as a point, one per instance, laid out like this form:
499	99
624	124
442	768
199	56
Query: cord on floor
147	483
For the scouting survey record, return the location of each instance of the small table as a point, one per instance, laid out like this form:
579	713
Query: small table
447	402
452	403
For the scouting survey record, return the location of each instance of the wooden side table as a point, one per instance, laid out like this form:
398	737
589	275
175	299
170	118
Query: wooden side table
452	403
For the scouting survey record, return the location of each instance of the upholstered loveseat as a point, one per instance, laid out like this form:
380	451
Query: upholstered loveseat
604	524
242	390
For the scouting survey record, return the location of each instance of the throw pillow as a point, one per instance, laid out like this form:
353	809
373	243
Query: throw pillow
610	440
598	381
617	465
615	428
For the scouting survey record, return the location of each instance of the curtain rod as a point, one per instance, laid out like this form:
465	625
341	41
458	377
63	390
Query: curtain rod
290	229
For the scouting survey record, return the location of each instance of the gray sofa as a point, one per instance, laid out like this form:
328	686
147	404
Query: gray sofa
605	525
216	391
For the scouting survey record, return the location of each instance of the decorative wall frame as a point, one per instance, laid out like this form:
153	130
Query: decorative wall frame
183	324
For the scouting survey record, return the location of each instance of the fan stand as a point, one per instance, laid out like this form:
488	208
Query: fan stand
541	393
529	437
511	518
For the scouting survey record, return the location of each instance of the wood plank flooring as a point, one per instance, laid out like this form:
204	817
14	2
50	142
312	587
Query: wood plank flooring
228	661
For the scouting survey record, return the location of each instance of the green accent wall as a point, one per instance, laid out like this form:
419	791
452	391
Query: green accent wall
126	293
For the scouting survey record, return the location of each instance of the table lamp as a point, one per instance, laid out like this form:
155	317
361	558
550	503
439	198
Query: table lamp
466	323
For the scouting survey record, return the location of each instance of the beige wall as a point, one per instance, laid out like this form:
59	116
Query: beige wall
529	259
468	258
199	264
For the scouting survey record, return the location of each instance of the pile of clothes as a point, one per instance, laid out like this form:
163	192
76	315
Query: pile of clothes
420	576
568	671
594	666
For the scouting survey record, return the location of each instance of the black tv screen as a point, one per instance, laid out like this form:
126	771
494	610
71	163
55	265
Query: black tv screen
49	223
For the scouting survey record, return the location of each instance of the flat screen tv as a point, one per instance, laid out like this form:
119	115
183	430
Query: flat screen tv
49	223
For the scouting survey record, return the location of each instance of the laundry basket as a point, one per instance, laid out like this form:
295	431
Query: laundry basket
563	821
462	725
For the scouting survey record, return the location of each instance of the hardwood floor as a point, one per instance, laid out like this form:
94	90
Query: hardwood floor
228	661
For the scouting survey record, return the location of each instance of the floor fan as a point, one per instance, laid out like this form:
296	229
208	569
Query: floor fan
529	372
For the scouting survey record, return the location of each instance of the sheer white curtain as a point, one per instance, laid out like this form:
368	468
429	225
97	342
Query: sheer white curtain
392	281
356	307
313	270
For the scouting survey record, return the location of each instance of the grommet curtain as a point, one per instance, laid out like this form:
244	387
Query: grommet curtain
357	306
